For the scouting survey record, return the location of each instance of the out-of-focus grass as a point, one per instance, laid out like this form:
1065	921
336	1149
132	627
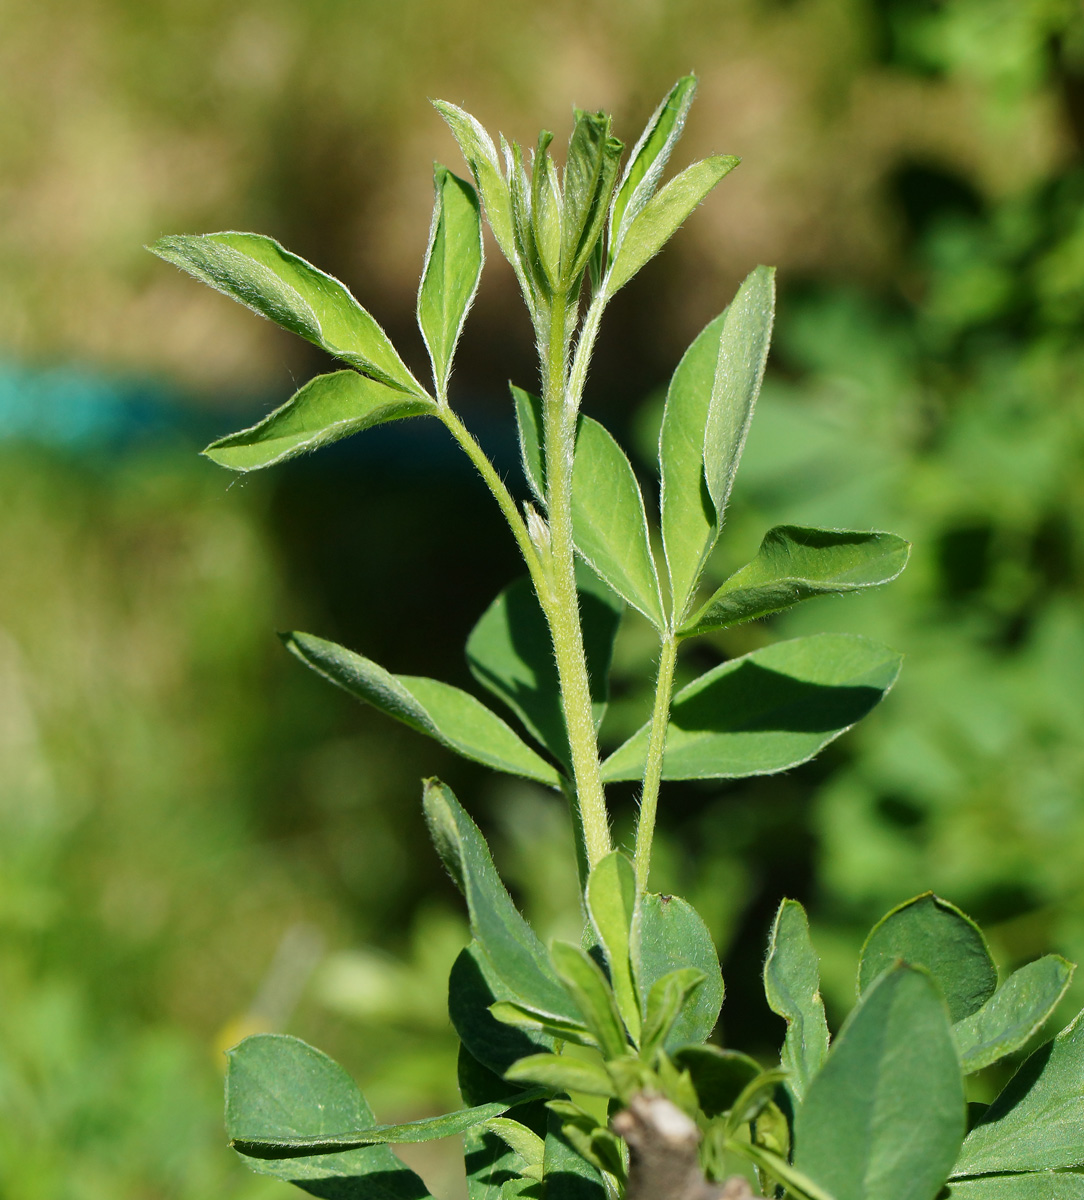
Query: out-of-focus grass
311	123
199	840
119	908
152	736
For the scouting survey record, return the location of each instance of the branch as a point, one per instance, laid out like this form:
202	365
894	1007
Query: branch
663	1159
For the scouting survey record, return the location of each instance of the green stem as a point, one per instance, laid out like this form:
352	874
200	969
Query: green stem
582	867
501	494
656	746
562	606
555	580
585	346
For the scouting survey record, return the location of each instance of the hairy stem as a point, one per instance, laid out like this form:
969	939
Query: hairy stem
501	494
585	346
583	868
656	746
562	605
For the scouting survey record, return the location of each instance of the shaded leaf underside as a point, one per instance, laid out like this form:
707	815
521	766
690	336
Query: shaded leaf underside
766	711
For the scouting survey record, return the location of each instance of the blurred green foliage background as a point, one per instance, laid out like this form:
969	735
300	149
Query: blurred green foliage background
197	838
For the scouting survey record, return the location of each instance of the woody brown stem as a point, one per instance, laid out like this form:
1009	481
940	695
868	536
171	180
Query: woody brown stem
663	1159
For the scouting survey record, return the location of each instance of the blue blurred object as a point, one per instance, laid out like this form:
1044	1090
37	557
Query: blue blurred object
82	409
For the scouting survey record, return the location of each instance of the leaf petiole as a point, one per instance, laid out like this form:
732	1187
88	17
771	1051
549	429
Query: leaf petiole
656	748
469	445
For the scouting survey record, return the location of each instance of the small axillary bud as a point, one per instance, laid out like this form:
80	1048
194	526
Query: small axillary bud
538	531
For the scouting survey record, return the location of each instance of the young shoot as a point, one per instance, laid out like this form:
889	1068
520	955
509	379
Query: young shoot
556	1040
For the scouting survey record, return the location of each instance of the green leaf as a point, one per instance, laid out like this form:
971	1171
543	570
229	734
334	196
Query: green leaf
1013	1014
1029	1185
448	715
481	155
611	906
326	409
709	406
572	1114
649	157
507	941
932	933
491	1162
588	182
596	263
884	1118
766	711
546	211
632	1075
525	1142
529	423
792	986
520	1016
598	1146
665	1003
743	351
453	266
1037	1123
562	1073
265	277
795	563
754	1098
567	1175
663	215
668	934
771	1126
479	1085
796	1183
430	1129
510	652
589	987
494	1171
473	987
534	277
676	1084
277	1086
689	527
719	1076
609	522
